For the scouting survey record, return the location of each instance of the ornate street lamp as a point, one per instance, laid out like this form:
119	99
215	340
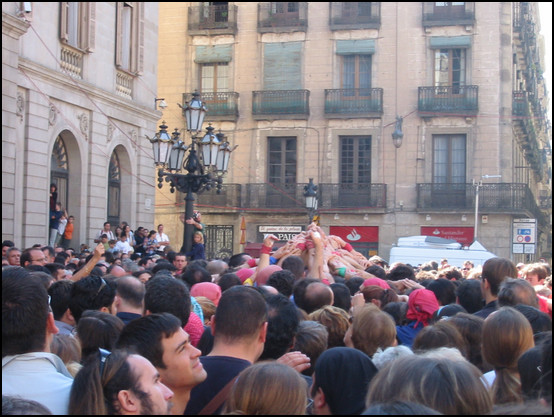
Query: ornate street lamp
310	193
397	135
205	168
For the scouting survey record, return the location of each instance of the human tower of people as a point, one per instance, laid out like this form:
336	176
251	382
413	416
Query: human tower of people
313	327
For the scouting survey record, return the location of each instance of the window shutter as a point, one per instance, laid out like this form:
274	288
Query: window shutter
439	42
64	36
118	33
90	26
356	47
213	54
140	37
283	66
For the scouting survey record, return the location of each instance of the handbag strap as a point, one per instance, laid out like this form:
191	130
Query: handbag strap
218	400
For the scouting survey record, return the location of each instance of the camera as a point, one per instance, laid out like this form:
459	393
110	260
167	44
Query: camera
195	216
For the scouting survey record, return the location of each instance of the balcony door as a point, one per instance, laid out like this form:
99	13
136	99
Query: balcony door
355	170
282	162
449	170
356	76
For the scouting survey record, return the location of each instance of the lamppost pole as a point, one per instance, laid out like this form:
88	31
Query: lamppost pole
205	170
477	185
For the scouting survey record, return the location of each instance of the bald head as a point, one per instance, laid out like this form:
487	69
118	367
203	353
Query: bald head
317	295
118	271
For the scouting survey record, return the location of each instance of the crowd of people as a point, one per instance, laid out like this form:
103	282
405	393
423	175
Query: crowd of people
311	327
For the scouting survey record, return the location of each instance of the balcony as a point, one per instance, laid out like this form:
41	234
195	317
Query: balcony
509	198
277	196
221	106
353	196
349	103
282	17
212	20
450	14
280	104
229	198
354	15
448	101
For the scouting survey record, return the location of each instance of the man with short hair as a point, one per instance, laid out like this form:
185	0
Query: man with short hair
239	328
162	239
129	298
161	339
60	294
107	230
32	256
180	262
14	256
29	370
495	272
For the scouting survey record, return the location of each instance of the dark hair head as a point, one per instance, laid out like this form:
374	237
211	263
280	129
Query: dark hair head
517	291
144	335
470	296
444	290
401	271
299	291
24	312
441	334
60	294
540	322
397	310
341	296
283	320
295	264
97	329
90	293
16	406
240	314
312	340
282	281
228	280
165	294
237	259
470	327
354	284
377	270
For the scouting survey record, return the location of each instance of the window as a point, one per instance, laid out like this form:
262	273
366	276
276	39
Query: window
77	24
59	170
356	10
282	160
355	159
214	77
285	8
130	37
449	159
450	68
114	190
356	74
449	9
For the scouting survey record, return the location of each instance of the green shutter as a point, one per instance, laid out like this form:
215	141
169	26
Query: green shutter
356	47
438	42
283	66
214	53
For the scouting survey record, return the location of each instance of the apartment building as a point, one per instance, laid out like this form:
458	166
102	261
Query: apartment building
78	88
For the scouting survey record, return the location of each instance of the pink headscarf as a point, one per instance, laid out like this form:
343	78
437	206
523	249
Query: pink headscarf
207	289
263	275
377	281
422	304
244	274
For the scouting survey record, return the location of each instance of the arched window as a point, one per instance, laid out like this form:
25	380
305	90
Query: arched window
59	170
114	190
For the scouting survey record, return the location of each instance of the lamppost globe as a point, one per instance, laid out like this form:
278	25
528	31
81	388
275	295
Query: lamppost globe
310	194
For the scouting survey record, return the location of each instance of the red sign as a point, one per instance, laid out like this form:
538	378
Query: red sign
463	235
354	234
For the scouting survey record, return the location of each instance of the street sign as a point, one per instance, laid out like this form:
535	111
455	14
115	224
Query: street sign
524	236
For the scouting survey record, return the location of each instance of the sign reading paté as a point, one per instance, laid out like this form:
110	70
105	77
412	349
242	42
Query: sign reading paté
283	233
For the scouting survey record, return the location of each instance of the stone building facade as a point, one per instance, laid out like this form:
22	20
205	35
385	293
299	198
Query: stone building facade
78	88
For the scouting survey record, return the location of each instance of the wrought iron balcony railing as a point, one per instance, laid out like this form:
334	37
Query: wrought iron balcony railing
280	103
215	19
354	15
221	106
282	16
512	198
228	198
354	196
352	102
448	14
448	100
277	196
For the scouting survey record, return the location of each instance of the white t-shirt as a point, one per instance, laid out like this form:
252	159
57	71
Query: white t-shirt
61	227
161	238
123	247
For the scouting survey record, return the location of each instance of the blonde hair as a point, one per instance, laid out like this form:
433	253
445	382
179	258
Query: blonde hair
208	307
337	322
199	233
68	349
372	329
268	387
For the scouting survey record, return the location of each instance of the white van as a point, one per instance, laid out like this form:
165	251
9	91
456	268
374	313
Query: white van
417	250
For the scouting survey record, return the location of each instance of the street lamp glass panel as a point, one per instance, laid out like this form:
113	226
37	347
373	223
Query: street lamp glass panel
209	147
223	157
194	114
165	143
311	202
176	156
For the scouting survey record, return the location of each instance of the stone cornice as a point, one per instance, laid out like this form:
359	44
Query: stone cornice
13	26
